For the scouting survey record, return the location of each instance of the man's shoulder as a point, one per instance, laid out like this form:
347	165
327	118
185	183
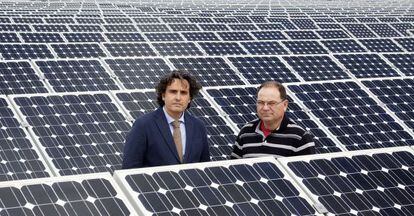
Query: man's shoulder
249	126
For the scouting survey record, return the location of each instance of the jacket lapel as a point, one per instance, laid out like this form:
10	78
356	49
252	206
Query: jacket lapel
189	131
164	129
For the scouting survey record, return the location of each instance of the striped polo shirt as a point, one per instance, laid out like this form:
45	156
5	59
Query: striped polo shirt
289	140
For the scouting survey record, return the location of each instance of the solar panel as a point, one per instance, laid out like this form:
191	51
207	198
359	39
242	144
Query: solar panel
404	62
70	195
19	159
222	48
343	46
269	35
354	118
164	37
407	43
238	187
75	50
235	36
242	27
397	95
9	38
84	37
129	49
124	37
184	27
366	65
208	71
120	28
332	34
304	47
50	28
383	30
76	75
259	69
78	133
264	48
138	73
380	45
86	28
213	27
403	27
316	67
24	51
359	30
153	28
200	36
297	35
374	182
177	49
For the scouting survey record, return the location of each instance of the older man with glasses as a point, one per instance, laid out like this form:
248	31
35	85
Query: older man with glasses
273	134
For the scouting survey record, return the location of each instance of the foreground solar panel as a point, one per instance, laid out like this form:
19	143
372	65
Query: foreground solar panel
70	195
240	105
139	73
356	120
245	187
220	135
374	182
19	158
79	133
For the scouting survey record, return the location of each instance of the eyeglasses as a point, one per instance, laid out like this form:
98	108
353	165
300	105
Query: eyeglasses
268	103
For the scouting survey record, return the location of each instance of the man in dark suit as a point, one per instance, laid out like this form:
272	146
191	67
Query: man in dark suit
168	135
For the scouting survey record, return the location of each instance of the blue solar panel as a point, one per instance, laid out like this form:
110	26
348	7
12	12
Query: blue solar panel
84	37
397	95
268	35
359	30
25	51
222	48
85	50
380	45
164	37
259	69
9	38
264	48
366	65
343	46
332	34
407	43
177	49
138	73
79	133
76	75
304	47
75	195
129	49
243	187
374	182
383	30
316	67
356	120
404	62
208	71
297	35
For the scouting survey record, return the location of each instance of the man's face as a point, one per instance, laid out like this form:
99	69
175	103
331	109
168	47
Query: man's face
270	107
177	97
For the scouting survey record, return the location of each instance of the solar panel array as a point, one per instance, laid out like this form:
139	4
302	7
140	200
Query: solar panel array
75	75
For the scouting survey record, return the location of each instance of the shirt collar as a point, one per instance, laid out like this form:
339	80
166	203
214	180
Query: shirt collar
171	119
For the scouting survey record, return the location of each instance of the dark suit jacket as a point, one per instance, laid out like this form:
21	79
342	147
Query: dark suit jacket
150	142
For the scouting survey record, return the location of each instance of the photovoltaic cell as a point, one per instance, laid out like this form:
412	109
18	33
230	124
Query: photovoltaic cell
177	49
75	195
356	120
242	187
164	37
264	48
25	51
304	47
407	43
79	133
375	182
129	49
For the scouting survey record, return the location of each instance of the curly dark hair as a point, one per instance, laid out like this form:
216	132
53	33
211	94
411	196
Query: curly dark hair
169	78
